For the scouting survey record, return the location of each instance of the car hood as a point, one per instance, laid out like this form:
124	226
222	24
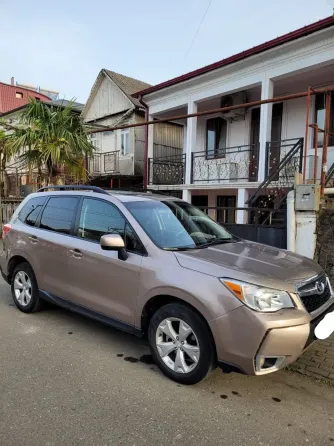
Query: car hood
251	262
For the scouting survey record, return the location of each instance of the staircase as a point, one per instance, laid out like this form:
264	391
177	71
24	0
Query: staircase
280	179
330	177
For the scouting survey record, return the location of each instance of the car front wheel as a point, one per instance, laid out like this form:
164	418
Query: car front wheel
25	289
181	343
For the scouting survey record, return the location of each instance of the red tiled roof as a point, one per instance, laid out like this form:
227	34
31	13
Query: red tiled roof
297	34
9	101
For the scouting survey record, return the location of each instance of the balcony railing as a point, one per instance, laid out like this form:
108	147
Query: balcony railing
104	163
233	164
167	170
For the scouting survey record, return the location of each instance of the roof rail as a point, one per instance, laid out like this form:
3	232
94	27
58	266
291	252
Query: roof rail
74	187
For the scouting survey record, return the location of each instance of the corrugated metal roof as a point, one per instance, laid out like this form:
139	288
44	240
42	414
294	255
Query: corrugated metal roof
297	34
128	85
64	103
9	101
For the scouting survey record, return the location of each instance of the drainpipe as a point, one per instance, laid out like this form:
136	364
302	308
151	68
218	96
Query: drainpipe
291	221
147	113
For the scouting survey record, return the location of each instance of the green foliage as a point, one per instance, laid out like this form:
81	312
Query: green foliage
50	136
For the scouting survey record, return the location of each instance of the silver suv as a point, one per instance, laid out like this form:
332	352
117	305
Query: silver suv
158	267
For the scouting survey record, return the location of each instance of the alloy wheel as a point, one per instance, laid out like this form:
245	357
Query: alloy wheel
22	288
177	345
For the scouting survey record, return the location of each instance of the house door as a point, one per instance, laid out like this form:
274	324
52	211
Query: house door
254	148
274	155
201	201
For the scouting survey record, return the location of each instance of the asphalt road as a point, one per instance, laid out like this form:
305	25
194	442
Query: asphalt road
65	380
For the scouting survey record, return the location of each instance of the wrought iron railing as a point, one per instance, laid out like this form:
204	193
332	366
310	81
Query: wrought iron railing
232	164
283	160
167	170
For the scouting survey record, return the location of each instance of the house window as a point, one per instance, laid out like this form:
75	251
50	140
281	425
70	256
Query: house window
320	103
108	133
19	95
216	134
95	141
37	99
125	147
226	215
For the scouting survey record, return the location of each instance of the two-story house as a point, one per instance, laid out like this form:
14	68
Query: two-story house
119	158
227	155
13	96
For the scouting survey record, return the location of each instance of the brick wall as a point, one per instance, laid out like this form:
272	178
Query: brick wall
318	360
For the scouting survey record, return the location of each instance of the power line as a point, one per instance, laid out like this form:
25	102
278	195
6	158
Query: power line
197	31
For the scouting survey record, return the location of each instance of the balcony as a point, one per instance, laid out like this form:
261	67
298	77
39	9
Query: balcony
167	170
229	165
104	163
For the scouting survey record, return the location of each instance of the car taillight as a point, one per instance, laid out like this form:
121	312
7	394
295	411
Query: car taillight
6	228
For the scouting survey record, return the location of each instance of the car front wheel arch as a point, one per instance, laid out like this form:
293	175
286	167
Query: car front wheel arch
159	301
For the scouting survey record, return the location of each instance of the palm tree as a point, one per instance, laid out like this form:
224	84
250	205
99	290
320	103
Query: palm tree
50	137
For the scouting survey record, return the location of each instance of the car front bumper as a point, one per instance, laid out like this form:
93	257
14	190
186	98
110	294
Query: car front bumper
257	343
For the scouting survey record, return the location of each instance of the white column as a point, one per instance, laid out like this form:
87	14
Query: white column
191	139
265	124
186	195
241	203
185	130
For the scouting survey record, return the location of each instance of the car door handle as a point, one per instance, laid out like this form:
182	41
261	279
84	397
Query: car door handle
76	253
33	239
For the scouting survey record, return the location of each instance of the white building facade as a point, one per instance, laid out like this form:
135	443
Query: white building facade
227	156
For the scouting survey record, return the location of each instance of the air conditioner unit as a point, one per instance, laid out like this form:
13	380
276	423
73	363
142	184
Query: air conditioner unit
239	98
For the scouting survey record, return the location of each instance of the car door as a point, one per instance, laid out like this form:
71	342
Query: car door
53	237
99	280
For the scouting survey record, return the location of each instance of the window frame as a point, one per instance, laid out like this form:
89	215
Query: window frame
142	252
38	221
216	154
39	215
225	211
19	95
331	119
125	132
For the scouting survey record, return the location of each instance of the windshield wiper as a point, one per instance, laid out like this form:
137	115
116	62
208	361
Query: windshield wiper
180	248
220	241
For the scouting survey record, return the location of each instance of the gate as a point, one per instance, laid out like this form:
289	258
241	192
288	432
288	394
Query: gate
265	225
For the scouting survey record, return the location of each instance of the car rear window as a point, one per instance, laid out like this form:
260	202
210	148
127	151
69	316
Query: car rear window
59	214
31	210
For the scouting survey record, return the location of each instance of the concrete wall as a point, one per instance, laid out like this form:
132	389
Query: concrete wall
318	360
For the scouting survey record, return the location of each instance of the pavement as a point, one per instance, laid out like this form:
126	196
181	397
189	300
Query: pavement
66	380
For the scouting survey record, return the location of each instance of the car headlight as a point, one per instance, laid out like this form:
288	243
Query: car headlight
259	298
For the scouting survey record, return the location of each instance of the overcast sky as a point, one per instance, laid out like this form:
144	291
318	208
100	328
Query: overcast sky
62	45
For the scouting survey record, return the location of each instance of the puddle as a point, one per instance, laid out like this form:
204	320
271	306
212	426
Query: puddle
147	359
130	359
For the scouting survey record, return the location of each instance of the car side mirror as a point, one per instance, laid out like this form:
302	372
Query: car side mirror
114	242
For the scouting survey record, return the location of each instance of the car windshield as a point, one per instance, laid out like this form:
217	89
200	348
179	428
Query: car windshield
177	225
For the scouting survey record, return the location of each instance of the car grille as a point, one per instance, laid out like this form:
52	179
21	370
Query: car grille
310	295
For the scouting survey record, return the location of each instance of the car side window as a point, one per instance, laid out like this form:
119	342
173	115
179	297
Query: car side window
58	214
98	217
31	210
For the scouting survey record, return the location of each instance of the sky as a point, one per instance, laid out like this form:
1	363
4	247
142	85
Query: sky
62	45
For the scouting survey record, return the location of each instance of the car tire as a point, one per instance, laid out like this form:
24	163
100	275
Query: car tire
23	285
183	363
